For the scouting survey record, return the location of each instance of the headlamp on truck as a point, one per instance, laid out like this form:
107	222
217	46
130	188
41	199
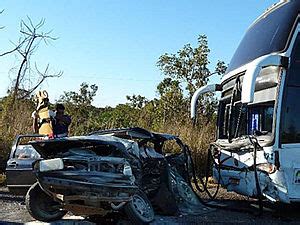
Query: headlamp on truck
266	167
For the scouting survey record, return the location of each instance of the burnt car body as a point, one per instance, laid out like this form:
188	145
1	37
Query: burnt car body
106	171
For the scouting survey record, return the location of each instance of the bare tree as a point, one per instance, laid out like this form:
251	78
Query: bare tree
28	78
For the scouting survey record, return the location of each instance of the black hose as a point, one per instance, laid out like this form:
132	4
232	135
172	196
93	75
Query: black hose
194	177
258	189
187	152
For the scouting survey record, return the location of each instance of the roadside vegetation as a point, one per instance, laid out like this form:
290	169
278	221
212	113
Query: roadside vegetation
184	72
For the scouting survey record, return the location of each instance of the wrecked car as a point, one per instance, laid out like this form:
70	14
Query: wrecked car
111	171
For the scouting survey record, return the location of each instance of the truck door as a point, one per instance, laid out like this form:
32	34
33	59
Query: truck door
289	154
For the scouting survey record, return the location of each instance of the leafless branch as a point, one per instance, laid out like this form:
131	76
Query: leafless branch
28	43
40	24
43	76
17	48
8	52
1	13
22	28
46	74
30	21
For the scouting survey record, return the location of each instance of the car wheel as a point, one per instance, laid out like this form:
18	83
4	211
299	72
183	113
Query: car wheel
139	210
41	206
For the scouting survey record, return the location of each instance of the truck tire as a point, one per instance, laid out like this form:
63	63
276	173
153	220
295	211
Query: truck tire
139	210
41	206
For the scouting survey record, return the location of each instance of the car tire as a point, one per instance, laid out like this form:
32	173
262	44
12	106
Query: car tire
41	206
139	210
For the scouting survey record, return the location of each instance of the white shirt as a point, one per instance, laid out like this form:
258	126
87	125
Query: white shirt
51	114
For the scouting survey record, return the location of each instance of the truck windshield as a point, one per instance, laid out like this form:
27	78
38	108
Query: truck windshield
245	120
269	34
255	118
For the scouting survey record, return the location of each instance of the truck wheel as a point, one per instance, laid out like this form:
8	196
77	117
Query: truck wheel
139	210
41	206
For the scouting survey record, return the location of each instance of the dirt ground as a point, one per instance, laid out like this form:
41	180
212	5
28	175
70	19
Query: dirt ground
239	210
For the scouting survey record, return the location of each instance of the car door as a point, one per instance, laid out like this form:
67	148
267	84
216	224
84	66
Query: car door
19	174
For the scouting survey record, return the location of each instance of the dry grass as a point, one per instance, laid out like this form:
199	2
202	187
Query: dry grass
2	179
17	120
197	139
14	121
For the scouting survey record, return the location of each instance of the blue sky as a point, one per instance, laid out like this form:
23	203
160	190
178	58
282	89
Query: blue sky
115	44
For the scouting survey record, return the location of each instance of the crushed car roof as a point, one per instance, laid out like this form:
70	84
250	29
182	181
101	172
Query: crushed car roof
135	133
53	146
118	138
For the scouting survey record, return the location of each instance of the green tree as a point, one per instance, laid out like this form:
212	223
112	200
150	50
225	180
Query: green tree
149	116
137	101
124	115
188	68
79	106
171	102
84	97
190	65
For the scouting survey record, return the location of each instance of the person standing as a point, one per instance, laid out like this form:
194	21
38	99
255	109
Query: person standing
43	117
61	122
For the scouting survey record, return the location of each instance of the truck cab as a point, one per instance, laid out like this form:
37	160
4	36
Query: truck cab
257	150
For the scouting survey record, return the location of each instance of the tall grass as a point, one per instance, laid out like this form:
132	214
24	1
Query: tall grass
17	120
197	138
14	120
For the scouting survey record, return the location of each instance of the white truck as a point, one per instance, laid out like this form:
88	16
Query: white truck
257	151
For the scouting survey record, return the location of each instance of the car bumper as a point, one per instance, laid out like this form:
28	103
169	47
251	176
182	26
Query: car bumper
85	185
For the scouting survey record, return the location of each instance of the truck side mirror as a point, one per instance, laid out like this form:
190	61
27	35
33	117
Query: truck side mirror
198	93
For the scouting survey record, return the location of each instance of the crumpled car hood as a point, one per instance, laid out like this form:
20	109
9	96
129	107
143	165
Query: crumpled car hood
50	148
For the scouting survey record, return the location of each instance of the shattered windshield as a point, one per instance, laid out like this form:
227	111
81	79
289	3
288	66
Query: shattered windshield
245	120
236	119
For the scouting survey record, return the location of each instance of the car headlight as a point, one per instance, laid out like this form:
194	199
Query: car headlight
51	164
127	171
